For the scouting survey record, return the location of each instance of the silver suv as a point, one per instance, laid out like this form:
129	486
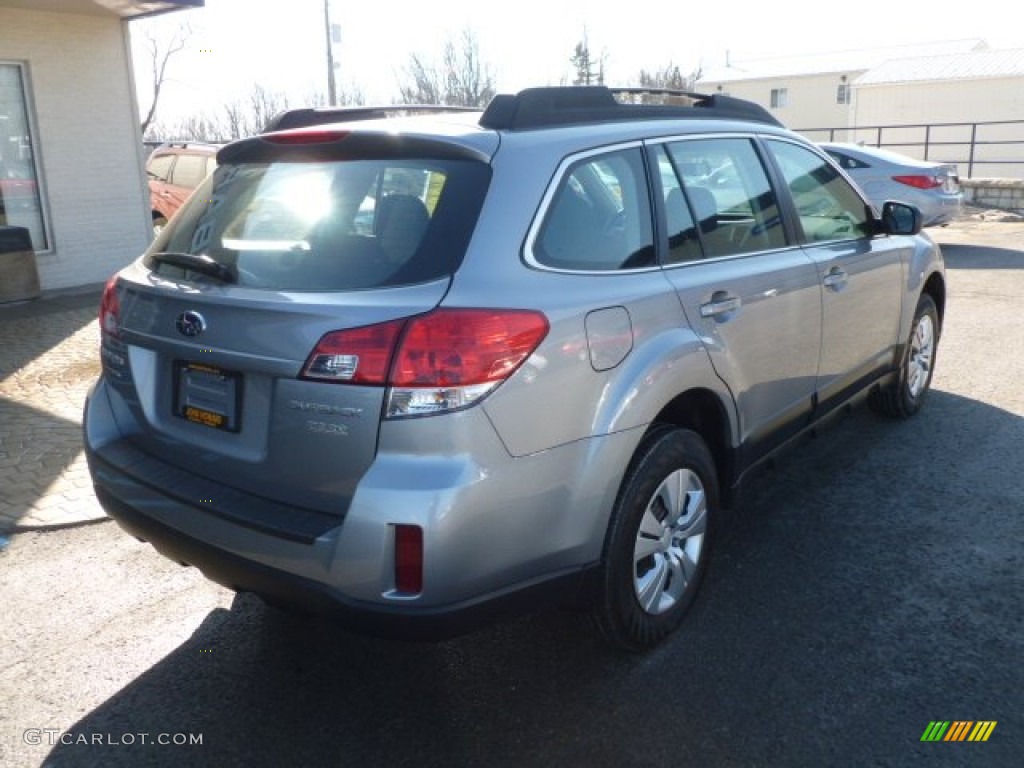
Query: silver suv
423	371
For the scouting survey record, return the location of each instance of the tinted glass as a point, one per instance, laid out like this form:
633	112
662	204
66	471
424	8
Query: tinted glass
729	194
845	161
683	243
827	207
600	217
331	225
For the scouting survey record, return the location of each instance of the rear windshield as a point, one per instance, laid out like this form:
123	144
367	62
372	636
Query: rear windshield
334	225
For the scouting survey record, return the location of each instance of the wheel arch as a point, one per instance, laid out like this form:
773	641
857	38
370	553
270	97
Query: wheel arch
935	286
703	412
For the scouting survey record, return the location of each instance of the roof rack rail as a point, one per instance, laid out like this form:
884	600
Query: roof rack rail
307	116
565	105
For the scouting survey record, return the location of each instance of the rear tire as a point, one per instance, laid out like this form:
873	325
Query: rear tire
659	540
905	396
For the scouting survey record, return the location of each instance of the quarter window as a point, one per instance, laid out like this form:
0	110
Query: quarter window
599	218
827	207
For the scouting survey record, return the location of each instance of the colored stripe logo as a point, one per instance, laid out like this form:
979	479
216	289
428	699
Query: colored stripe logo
958	730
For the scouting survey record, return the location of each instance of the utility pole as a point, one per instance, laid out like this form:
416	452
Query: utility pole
332	89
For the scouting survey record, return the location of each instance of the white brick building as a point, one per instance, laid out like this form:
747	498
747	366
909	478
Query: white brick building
71	157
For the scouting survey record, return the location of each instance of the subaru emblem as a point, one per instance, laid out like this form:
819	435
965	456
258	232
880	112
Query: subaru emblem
190	324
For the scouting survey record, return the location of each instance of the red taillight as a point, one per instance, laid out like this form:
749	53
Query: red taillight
357	356
110	308
408	559
306	136
445	348
441	361
459	347
919	182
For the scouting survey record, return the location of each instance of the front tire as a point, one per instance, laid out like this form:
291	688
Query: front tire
903	398
659	540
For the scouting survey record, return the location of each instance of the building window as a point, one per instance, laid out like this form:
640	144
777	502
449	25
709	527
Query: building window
843	93
19	176
780	97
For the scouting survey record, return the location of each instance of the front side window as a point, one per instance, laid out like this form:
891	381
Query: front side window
827	207
599	218
333	225
20	200
729	195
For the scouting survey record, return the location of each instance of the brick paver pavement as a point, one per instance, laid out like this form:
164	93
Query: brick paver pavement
49	357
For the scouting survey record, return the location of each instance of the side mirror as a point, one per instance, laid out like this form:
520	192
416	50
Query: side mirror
900	219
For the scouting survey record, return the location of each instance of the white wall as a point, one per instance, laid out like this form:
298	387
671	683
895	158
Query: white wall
89	147
812	98
962	101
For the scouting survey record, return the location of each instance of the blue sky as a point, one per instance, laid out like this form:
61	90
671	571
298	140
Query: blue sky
280	43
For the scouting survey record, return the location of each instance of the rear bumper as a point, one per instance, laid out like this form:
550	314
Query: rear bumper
490	550
407	622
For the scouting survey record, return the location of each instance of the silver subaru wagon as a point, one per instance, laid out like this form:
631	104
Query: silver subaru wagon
424	371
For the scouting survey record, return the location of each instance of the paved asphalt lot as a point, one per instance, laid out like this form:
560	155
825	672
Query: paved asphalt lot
871	583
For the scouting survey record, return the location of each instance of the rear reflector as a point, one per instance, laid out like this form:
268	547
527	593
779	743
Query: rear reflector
408	559
920	182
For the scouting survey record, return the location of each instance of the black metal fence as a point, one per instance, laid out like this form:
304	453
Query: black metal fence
982	149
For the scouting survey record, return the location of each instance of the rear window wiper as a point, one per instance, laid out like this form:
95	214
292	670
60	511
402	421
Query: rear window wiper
196	262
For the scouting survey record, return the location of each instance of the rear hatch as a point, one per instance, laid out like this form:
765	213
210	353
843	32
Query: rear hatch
233	344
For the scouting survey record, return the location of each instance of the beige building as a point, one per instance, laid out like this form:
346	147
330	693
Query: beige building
71	157
964	100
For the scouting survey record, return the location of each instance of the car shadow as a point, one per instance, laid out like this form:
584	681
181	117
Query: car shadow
830	597
959	256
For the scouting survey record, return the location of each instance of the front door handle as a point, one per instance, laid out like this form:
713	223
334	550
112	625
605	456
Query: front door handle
720	305
836	279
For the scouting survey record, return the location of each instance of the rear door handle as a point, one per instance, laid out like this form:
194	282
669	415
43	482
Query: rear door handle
720	306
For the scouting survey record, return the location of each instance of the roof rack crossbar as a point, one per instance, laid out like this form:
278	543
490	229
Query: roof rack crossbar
566	105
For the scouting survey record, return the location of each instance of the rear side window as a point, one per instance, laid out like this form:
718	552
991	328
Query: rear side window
729	195
336	225
599	218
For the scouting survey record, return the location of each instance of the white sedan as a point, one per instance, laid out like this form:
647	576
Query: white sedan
933	188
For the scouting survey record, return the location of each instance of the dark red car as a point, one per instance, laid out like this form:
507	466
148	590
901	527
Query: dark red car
174	170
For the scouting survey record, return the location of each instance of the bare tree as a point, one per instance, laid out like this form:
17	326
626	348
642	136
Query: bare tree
423	85
462	79
160	53
668	77
589	69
